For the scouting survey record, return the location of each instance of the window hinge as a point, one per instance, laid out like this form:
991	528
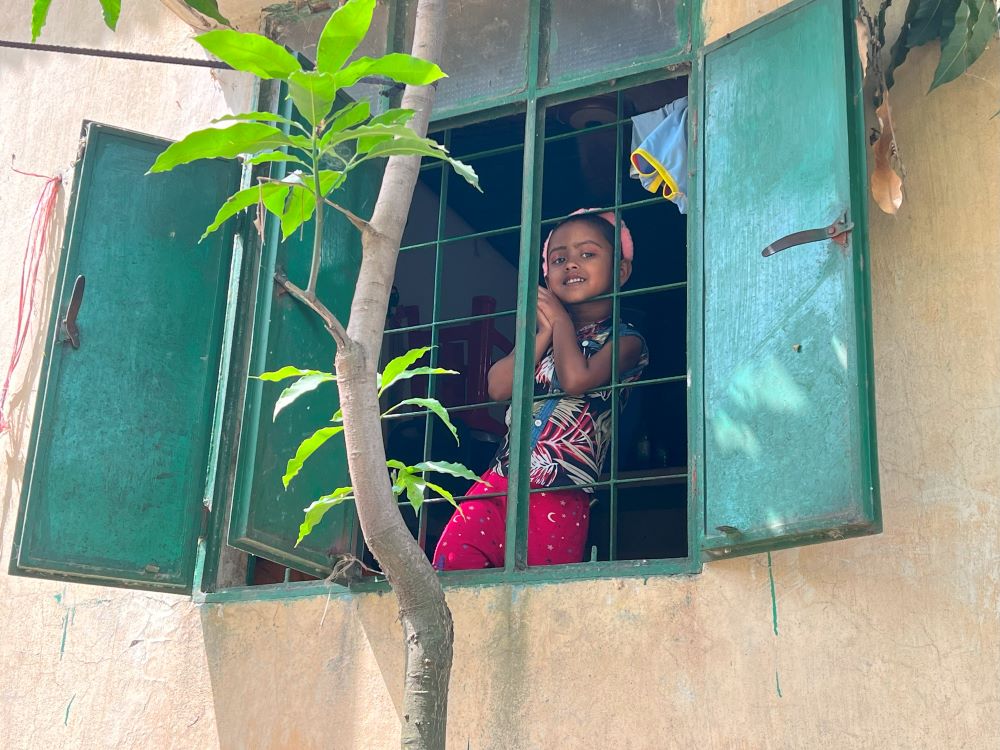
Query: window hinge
838	231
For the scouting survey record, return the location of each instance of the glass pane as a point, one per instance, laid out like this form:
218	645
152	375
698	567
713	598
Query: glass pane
588	36
485	53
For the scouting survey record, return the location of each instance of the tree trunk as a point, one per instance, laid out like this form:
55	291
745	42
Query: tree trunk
426	619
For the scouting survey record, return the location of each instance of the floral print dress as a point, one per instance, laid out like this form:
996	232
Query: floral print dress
571	434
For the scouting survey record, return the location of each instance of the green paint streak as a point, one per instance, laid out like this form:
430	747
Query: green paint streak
777	683
68	705
774	599
62	646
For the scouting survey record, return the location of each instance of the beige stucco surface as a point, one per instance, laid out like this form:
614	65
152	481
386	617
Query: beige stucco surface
890	641
88	667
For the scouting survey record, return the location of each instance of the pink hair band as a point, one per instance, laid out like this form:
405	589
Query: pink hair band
628	248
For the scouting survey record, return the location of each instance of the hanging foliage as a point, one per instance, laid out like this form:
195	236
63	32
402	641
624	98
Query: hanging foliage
112	9
964	29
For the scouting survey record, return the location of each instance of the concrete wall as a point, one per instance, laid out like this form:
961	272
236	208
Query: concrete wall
884	642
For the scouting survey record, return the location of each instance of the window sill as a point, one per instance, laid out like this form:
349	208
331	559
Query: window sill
540	575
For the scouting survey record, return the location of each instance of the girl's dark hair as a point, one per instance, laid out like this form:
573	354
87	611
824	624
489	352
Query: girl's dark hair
605	227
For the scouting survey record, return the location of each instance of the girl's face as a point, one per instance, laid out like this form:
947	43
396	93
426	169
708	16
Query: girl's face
579	260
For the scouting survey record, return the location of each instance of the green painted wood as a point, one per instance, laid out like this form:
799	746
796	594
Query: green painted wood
115	480
266	517
786	387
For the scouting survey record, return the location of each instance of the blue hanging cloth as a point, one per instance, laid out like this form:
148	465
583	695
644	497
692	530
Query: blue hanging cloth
659	151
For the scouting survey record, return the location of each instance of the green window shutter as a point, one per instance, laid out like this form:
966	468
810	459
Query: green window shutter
789	419
116	472
266	516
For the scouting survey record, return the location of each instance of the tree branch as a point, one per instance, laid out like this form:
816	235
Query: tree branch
333	326
360	224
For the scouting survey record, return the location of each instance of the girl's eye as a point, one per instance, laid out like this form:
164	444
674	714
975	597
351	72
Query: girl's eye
587	255
557	261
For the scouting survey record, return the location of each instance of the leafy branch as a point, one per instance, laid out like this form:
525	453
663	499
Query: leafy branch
411	480
964	29
112	9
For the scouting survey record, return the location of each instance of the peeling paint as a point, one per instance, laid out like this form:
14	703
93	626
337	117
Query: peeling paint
65	631
68	707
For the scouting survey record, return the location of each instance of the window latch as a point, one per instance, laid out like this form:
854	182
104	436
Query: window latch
68	325
837	231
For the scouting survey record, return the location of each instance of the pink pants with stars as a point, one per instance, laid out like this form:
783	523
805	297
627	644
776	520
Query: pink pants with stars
557	528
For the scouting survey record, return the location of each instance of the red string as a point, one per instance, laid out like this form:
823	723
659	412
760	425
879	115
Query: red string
38	236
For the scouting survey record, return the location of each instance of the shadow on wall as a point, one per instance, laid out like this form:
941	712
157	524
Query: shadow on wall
306	673
20	398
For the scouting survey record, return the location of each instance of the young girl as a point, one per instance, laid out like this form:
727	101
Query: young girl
570	434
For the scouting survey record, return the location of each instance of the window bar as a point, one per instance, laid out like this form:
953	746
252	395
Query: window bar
518	481
652	480
435	309
601	209
485	404
461	237
616	395
451	321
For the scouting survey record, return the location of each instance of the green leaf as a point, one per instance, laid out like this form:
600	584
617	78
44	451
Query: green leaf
418	371
299	208
290	371
975	24
244	199
421	147
414	487
313	93
447	467
318	508
208	8
251	53
303	385
442	492
465	171
398	66
398	364
351	115
306	448
389	117
112	9
261	117
392	463
301	204
270	156
343	33
333	138
39	13
433	405
274	201
925	21
409	145
225	143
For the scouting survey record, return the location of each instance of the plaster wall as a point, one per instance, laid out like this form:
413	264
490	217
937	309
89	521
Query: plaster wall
81	666
890	641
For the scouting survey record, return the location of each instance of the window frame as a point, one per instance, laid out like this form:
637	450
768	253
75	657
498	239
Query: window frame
533	101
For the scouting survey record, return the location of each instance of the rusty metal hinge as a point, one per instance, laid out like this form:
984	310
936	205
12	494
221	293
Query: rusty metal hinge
837	231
